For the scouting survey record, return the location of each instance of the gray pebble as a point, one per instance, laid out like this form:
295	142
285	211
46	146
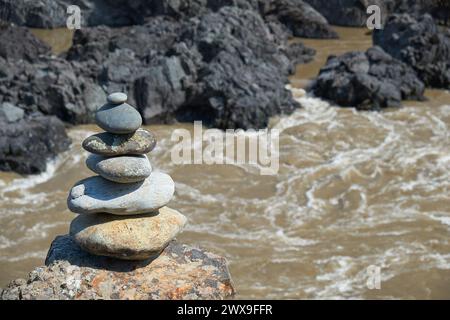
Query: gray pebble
118	118
123	169
117	98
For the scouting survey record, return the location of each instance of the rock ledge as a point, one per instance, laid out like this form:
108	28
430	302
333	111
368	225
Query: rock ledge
180	272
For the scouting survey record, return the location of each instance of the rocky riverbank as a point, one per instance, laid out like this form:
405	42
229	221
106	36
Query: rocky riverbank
352	13
409	55
370	80
223	62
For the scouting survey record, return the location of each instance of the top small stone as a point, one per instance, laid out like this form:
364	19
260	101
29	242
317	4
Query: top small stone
117	98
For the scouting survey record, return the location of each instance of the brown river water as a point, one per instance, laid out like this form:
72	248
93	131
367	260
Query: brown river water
354	189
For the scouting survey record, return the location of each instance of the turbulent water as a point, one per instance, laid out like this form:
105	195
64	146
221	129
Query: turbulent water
354	189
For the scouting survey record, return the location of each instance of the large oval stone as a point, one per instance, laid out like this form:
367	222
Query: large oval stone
96	194
110	144
120	119
122	169
130	238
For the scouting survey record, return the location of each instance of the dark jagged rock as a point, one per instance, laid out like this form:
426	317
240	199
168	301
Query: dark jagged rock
420	44
19	43
370	80
439	9
37	14
35	81
52	86
351	13
210	60
154	37
231	75
118	13
26	145
297	15
27	138
205	68
300	18
180	272
298	53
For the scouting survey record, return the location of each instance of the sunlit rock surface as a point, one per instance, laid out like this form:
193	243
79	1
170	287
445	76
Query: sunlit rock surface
180	272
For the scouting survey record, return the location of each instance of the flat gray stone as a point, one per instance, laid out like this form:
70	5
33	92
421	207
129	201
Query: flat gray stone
96	194
122	169
129	238
10	112
117	98
118	118
110	144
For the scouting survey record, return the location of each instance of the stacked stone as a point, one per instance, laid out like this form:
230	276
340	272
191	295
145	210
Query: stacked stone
122	211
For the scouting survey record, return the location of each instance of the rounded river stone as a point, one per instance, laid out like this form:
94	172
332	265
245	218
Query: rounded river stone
123	169
118	118
117	98
110	144
130	238
96	194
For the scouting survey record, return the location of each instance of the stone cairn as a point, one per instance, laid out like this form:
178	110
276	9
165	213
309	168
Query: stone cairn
122	210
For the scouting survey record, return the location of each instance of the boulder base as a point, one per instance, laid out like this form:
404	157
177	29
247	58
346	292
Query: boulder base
131	238
180	272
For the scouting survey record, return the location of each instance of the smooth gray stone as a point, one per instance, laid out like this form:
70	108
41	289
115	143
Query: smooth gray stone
118	118
10	112
110	144
123	169
117	98
96	194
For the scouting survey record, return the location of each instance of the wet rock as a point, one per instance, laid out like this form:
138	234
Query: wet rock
130	238
122	169
27	144
370	80
96	194
18	43
420	44
118	118
10	112
180	272
109	144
